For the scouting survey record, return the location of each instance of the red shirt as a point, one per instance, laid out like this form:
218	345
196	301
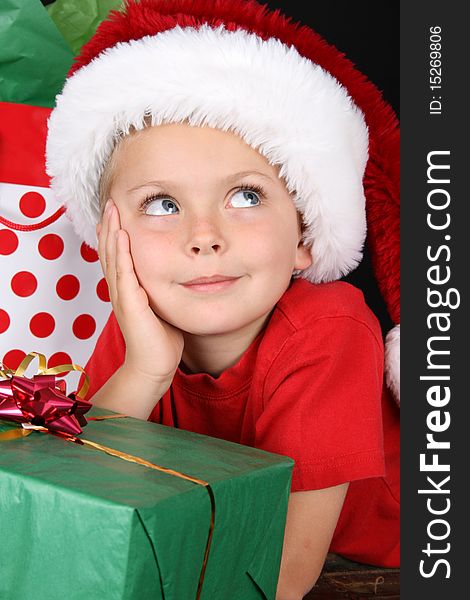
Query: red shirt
310	386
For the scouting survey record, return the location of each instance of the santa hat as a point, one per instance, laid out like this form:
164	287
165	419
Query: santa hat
236	66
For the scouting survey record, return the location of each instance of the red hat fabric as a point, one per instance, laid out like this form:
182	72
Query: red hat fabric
234	65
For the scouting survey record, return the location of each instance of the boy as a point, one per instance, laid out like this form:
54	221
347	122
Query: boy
208	161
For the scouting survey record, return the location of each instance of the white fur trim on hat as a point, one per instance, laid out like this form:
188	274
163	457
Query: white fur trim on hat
289	109
392	361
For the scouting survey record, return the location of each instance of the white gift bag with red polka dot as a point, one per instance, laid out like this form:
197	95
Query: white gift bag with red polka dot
53	297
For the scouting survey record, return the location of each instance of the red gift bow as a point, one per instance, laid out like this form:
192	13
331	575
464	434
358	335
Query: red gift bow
42	400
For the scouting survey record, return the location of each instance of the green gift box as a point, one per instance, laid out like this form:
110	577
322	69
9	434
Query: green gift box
80	524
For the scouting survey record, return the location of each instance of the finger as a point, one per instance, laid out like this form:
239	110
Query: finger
102	234
110	253
99	227
127	284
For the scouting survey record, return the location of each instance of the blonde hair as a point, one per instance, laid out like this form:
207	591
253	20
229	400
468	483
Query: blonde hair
107	178
109	170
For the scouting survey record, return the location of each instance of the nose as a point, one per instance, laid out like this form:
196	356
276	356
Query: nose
205	237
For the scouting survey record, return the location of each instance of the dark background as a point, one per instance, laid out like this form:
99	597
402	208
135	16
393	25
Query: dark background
367	32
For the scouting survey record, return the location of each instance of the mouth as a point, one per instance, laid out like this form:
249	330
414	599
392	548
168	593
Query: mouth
210	284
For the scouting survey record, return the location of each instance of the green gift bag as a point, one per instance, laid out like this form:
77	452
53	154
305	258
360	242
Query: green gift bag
38	44
80	524
35	57
77	20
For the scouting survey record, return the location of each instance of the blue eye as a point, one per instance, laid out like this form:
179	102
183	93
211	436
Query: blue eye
245	199
156	206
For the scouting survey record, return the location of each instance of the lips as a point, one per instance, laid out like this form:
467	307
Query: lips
212	279
215	283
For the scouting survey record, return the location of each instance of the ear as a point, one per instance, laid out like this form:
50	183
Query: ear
303	257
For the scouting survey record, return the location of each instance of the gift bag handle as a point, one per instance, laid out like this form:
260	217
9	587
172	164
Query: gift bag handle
34	227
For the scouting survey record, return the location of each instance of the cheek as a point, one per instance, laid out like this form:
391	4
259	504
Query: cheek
272	243
151	252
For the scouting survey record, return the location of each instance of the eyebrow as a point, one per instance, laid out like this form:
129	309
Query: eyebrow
229	179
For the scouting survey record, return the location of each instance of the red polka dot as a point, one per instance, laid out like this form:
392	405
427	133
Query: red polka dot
102	290
32	204
59	358
24	284
51	246
4	320
84	327
8	241
42	325
67	287
13	358
88	253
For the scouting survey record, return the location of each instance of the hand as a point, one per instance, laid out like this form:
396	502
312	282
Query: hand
153	346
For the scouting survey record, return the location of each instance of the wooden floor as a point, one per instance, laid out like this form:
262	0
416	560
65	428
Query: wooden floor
343	579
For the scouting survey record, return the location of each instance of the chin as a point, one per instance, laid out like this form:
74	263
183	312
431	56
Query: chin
210	322
213	316
213	326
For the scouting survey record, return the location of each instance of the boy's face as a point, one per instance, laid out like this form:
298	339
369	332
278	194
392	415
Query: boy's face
198	203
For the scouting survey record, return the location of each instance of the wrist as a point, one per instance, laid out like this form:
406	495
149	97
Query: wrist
150	381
